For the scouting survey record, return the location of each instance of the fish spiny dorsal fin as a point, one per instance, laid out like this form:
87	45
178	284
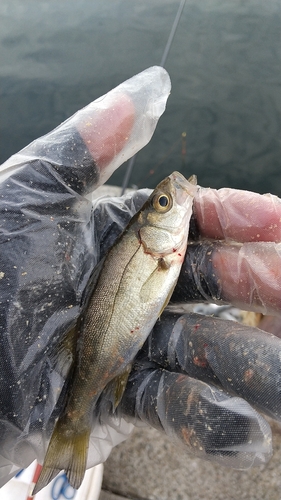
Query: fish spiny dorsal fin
87	293
67	453
63	355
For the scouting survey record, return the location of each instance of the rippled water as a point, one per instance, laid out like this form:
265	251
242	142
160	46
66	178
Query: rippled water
56	56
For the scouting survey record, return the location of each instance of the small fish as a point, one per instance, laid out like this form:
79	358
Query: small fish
129	290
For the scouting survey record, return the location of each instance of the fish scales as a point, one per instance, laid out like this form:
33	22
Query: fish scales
133	285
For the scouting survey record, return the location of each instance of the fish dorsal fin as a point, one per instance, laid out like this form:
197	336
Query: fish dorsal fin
63	354
91	283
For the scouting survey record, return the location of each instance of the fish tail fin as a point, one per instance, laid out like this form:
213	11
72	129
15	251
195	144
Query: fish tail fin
75	470
65	452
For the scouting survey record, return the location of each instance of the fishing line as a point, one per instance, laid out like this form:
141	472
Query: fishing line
162	63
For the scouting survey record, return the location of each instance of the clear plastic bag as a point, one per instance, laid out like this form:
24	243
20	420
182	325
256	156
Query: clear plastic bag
49	247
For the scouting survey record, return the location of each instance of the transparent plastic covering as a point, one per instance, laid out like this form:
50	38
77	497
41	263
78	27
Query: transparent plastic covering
203	420
200	380
140	101
49	247
234	253
186	381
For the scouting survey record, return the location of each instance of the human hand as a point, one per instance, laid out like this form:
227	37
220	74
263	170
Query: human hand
48	260
49	247
235	261
239	233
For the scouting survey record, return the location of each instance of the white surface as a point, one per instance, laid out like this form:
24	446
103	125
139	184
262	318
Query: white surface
19	488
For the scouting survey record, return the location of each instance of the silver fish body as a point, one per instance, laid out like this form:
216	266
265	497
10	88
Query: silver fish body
134	283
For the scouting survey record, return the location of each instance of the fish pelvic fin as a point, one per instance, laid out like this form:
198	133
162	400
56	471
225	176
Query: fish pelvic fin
116	387
167	300
120	383
66	452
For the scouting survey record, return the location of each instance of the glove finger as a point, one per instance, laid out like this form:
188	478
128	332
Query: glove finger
204	420
242	360
230	214
248	275
87	148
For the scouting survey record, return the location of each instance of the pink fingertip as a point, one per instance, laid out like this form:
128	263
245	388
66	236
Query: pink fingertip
241	216
106	130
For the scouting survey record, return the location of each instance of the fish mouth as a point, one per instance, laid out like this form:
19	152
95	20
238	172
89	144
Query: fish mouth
183	187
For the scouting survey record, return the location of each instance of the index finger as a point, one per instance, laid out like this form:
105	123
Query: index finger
88	147
117	125
236	215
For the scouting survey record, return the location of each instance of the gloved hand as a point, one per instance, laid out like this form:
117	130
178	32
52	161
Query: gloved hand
52	236
186	379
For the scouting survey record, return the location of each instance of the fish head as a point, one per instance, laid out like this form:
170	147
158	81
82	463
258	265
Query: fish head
164	219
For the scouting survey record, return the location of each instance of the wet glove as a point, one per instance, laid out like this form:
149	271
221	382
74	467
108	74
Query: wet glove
53	235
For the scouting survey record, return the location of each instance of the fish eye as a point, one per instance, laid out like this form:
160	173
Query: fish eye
162	202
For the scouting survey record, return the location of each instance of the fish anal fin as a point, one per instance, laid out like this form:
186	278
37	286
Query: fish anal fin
66	452
116	387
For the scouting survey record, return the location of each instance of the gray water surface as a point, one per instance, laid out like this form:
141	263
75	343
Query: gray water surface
224	63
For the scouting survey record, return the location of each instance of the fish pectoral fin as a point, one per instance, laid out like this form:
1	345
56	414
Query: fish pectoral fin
68	453
116	387
162	267
163	264
62	356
